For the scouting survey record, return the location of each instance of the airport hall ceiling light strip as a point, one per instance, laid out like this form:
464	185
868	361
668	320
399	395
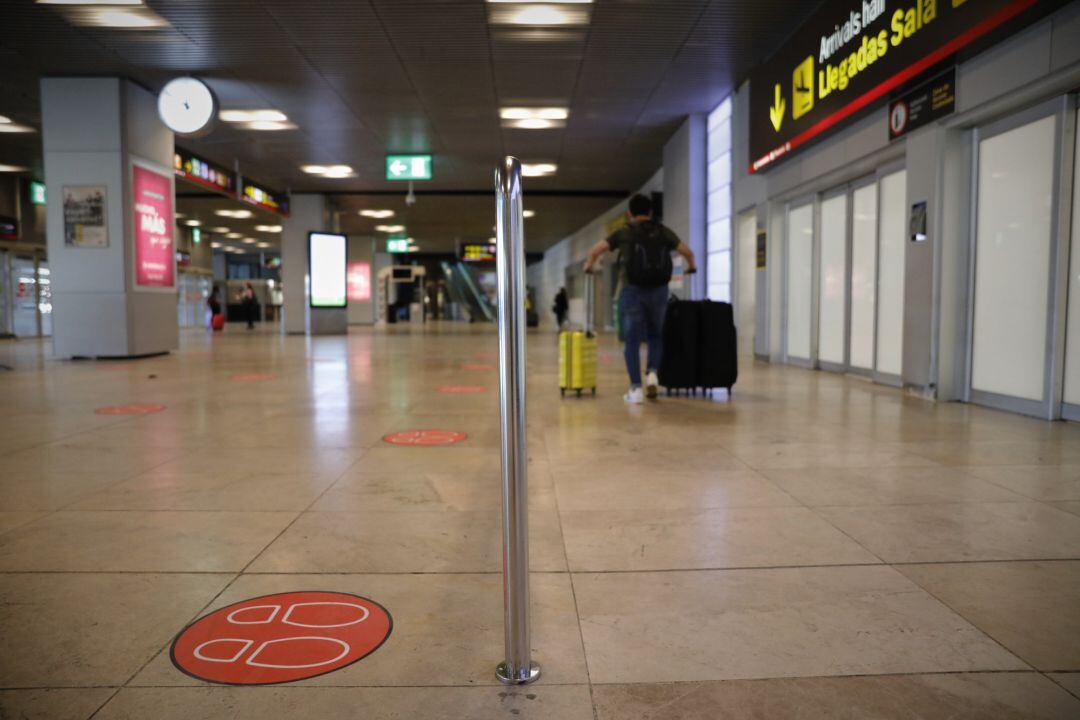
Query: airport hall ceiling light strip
546	13
123	14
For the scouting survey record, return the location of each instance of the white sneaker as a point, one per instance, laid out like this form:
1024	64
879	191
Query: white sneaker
652	384
634	396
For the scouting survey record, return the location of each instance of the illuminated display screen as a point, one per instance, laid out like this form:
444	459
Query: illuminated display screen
264	198
359	281
473	252
191	167
326	270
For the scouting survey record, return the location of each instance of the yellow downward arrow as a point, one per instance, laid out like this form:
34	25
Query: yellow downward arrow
776	112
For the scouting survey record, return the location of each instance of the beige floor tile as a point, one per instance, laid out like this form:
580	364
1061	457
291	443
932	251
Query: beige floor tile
1069	681
606	540
401	542
138	541
1038	482
644	461
55	704
975	696
997	452
738	624
12	520
953	532
431	492
234	489
1072	506
886	486
806	455
88	629
448	629
567	702
223	459
19	493
672	491
1032	608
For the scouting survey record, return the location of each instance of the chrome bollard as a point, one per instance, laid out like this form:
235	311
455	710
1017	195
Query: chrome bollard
517	668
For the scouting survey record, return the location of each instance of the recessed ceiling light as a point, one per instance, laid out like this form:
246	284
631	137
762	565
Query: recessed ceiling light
528	213
377	214
248	116
193	223
329	171
538	169
215	244
238	214
179	215
539	13
219	229
133	16
526	113
9	126
389	228
263	245
268	228
89	2
493	240
250	241
234	235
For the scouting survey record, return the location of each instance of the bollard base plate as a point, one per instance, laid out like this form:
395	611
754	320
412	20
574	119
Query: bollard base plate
503	673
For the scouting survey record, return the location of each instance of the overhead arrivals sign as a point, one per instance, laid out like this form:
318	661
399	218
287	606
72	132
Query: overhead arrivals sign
853	53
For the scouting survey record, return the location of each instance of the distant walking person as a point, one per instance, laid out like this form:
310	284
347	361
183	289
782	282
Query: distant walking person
247	299
213	306
561	306
645	248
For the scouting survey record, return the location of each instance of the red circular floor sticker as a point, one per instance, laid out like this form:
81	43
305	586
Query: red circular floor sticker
461	389
142	409
425	437
280	638
250	377
477	366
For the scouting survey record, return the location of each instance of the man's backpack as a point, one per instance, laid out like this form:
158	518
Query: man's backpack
647	255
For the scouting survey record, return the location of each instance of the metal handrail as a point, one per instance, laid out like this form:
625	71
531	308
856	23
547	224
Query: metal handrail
517	668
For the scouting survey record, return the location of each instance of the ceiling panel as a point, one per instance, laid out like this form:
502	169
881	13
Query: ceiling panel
361	78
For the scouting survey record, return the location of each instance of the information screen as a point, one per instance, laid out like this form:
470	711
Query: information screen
326	269
359	281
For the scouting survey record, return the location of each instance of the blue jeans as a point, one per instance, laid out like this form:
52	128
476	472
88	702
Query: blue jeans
642	313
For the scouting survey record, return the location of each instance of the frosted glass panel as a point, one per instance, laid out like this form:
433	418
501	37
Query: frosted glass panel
1012	260
719	139
719	236
719	203
720	172
890	305
719	268
720	292
746	289
1072	336
832	305
863	275
800	242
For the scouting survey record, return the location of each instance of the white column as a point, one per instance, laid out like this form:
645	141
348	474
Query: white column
103	136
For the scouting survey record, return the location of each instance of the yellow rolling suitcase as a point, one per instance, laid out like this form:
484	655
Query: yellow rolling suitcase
577	352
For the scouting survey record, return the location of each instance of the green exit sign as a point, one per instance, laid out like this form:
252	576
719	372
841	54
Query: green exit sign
408	167
397	245
196	235
37	192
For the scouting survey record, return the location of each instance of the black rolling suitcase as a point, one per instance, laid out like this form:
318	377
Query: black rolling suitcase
717	359
679	357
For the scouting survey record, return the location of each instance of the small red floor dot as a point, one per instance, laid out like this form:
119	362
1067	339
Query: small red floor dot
140	409
280	638
461	389
425	437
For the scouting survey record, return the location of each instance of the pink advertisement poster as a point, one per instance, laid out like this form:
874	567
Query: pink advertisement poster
155	260
358	276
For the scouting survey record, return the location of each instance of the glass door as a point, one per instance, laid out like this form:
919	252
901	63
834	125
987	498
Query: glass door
1013	247
892	239
832	282
799	303
864	225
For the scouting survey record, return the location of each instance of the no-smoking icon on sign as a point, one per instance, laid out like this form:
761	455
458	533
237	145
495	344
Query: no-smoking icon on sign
280	638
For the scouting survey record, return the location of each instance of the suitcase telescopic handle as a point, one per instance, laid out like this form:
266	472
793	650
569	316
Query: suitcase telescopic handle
590	295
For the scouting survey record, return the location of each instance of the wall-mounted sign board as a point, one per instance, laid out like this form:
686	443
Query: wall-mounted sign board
478	252
260	196
200	171
923	104
408	167
852	54
37	192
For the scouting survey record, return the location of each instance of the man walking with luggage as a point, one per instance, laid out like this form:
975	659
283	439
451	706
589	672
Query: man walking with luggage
645	246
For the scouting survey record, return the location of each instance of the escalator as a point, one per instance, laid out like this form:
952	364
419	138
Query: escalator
464	290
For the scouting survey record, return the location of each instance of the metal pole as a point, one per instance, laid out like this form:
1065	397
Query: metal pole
517	668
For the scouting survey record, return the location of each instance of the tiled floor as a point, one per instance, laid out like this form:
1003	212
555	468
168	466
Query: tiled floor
820	547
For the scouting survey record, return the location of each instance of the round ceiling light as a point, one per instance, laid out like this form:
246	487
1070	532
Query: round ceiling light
186	106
